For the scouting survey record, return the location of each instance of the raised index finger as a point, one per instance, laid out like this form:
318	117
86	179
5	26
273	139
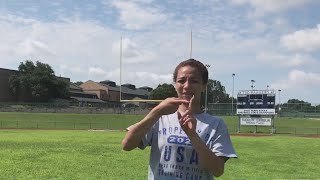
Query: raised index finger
191	103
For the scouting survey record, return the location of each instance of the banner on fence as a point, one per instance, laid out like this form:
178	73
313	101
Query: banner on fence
256	111
252	121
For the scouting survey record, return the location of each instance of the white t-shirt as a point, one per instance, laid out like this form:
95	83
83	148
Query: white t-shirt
172	155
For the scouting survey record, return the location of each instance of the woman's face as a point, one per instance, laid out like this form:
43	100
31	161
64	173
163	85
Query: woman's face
189	82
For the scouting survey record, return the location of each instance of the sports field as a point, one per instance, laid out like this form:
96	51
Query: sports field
82	154
19	120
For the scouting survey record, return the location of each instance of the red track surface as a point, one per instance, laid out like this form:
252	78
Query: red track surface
266	135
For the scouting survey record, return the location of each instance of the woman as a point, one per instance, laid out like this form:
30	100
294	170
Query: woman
186	143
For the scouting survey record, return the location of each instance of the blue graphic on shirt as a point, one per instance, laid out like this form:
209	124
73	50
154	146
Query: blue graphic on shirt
179	155
173	156
174	130
181	140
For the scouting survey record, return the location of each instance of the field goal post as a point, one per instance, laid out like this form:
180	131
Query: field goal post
141	100
130	100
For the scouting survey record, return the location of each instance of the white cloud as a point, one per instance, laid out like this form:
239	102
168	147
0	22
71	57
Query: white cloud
284	60
306	40
260	27
138	78
70	42
304	78
298	80
65	70
32	9
136	17
142	1
96	71
32	47
231	43
262	6
299	85
55	3
16	20
132	53
152	79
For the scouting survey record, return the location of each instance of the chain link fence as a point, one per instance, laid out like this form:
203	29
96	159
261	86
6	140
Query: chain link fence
106	108
122	125
219	109
286	110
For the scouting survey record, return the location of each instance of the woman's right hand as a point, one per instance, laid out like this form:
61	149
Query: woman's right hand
170	105
137	131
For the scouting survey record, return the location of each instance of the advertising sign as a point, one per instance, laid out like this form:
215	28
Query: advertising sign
251	121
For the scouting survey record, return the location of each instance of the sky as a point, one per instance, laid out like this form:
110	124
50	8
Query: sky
275	43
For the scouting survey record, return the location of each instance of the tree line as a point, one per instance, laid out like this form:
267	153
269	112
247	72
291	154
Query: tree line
299	106
216	92
38	80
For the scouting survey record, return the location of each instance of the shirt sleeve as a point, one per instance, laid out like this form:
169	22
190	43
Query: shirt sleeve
221	143
148	138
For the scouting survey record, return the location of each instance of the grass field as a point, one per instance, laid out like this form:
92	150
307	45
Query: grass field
66	120
299	126
81	154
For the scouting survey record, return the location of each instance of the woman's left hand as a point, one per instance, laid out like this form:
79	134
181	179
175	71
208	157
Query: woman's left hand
187	121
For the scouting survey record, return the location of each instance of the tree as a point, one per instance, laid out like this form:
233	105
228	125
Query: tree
78	83
163	91
216	93
38	81
298	105
60	89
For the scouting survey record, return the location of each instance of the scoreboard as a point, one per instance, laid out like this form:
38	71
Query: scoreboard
256	102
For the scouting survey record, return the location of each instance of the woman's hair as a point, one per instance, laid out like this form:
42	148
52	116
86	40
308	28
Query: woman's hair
193	63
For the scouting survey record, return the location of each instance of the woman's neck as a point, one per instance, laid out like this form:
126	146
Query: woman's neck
196	110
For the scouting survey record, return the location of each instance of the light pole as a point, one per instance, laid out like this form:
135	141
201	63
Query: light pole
252	83
233	74
279	90
206	99
267	87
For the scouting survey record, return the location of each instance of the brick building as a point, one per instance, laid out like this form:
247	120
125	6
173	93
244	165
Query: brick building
78	96
109	91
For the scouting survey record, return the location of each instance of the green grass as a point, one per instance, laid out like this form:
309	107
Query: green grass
76	154
299	126
70	154
284	125
66	120
274	157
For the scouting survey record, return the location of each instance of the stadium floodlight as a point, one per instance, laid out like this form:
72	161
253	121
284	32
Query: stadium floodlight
206	99
132	100
279	90
252	84
233	74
